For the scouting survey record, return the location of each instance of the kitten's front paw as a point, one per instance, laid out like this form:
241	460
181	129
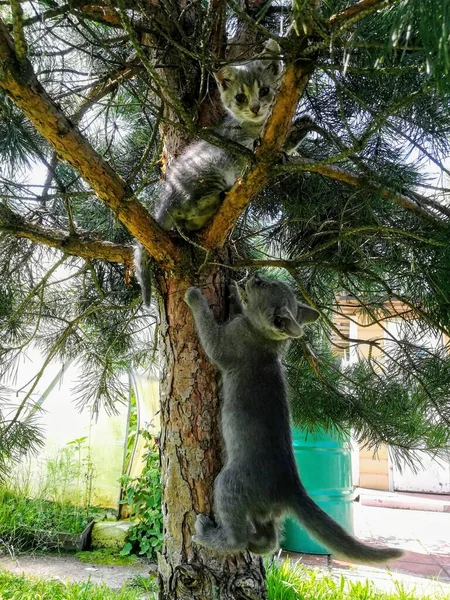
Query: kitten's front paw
192	295
300	128
203	523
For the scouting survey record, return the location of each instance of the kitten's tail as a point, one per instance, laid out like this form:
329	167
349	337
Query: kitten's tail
143	272
333	536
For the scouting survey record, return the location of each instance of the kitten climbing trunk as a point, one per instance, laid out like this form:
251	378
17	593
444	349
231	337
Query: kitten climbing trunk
190	441
191	456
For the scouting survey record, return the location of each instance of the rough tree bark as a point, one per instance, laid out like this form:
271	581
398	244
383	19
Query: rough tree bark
191	450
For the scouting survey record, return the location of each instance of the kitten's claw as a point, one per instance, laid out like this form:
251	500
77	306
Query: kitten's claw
192	294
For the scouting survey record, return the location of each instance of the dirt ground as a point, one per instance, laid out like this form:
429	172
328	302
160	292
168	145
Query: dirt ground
66	567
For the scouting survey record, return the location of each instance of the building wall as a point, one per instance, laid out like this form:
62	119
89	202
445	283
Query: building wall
375	471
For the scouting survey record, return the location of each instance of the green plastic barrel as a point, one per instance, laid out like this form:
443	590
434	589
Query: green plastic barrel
324	463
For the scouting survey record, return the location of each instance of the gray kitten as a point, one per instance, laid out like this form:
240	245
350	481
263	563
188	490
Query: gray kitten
196	182
259	482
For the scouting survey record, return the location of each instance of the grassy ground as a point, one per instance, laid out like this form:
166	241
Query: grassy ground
13	587
284	582
294	581
106	556
27	523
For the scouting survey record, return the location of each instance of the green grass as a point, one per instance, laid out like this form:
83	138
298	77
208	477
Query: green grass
27	523
13	587
106	556
287	581
146	583
294	581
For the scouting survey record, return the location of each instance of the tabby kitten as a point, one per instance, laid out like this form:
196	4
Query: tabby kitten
259	483
196	182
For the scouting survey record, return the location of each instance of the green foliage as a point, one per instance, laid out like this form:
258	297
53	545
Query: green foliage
147	584
426	23
19	142
72	311
69	475
293	581
34	506
401	399
143	496
378	100
14	587
16	438
31	523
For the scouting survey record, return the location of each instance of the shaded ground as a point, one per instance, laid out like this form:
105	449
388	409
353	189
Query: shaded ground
66	567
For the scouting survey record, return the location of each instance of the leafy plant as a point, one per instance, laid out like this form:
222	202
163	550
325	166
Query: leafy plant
148	584
143	495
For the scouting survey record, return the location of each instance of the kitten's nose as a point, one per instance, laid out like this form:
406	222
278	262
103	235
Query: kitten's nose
255	109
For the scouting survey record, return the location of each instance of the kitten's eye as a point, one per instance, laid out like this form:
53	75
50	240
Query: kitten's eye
263	92
240	98
278	322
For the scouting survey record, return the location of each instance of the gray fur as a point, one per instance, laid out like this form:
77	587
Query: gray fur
197	181
259	482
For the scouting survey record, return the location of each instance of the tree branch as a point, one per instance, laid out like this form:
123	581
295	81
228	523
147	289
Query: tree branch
296	76
97	10
21	85
106	85
77	245
304	164
358	11
217	14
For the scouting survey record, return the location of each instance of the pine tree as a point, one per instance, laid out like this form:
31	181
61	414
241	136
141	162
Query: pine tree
104	94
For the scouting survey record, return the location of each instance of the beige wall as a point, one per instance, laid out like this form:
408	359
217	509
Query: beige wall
373	469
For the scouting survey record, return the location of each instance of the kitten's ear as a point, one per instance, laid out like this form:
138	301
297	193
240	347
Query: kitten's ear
306	314
225	77
274	66
285	321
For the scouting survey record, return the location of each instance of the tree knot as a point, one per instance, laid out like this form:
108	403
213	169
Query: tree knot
191	580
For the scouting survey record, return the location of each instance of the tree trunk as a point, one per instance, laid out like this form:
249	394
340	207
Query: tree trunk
191	450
